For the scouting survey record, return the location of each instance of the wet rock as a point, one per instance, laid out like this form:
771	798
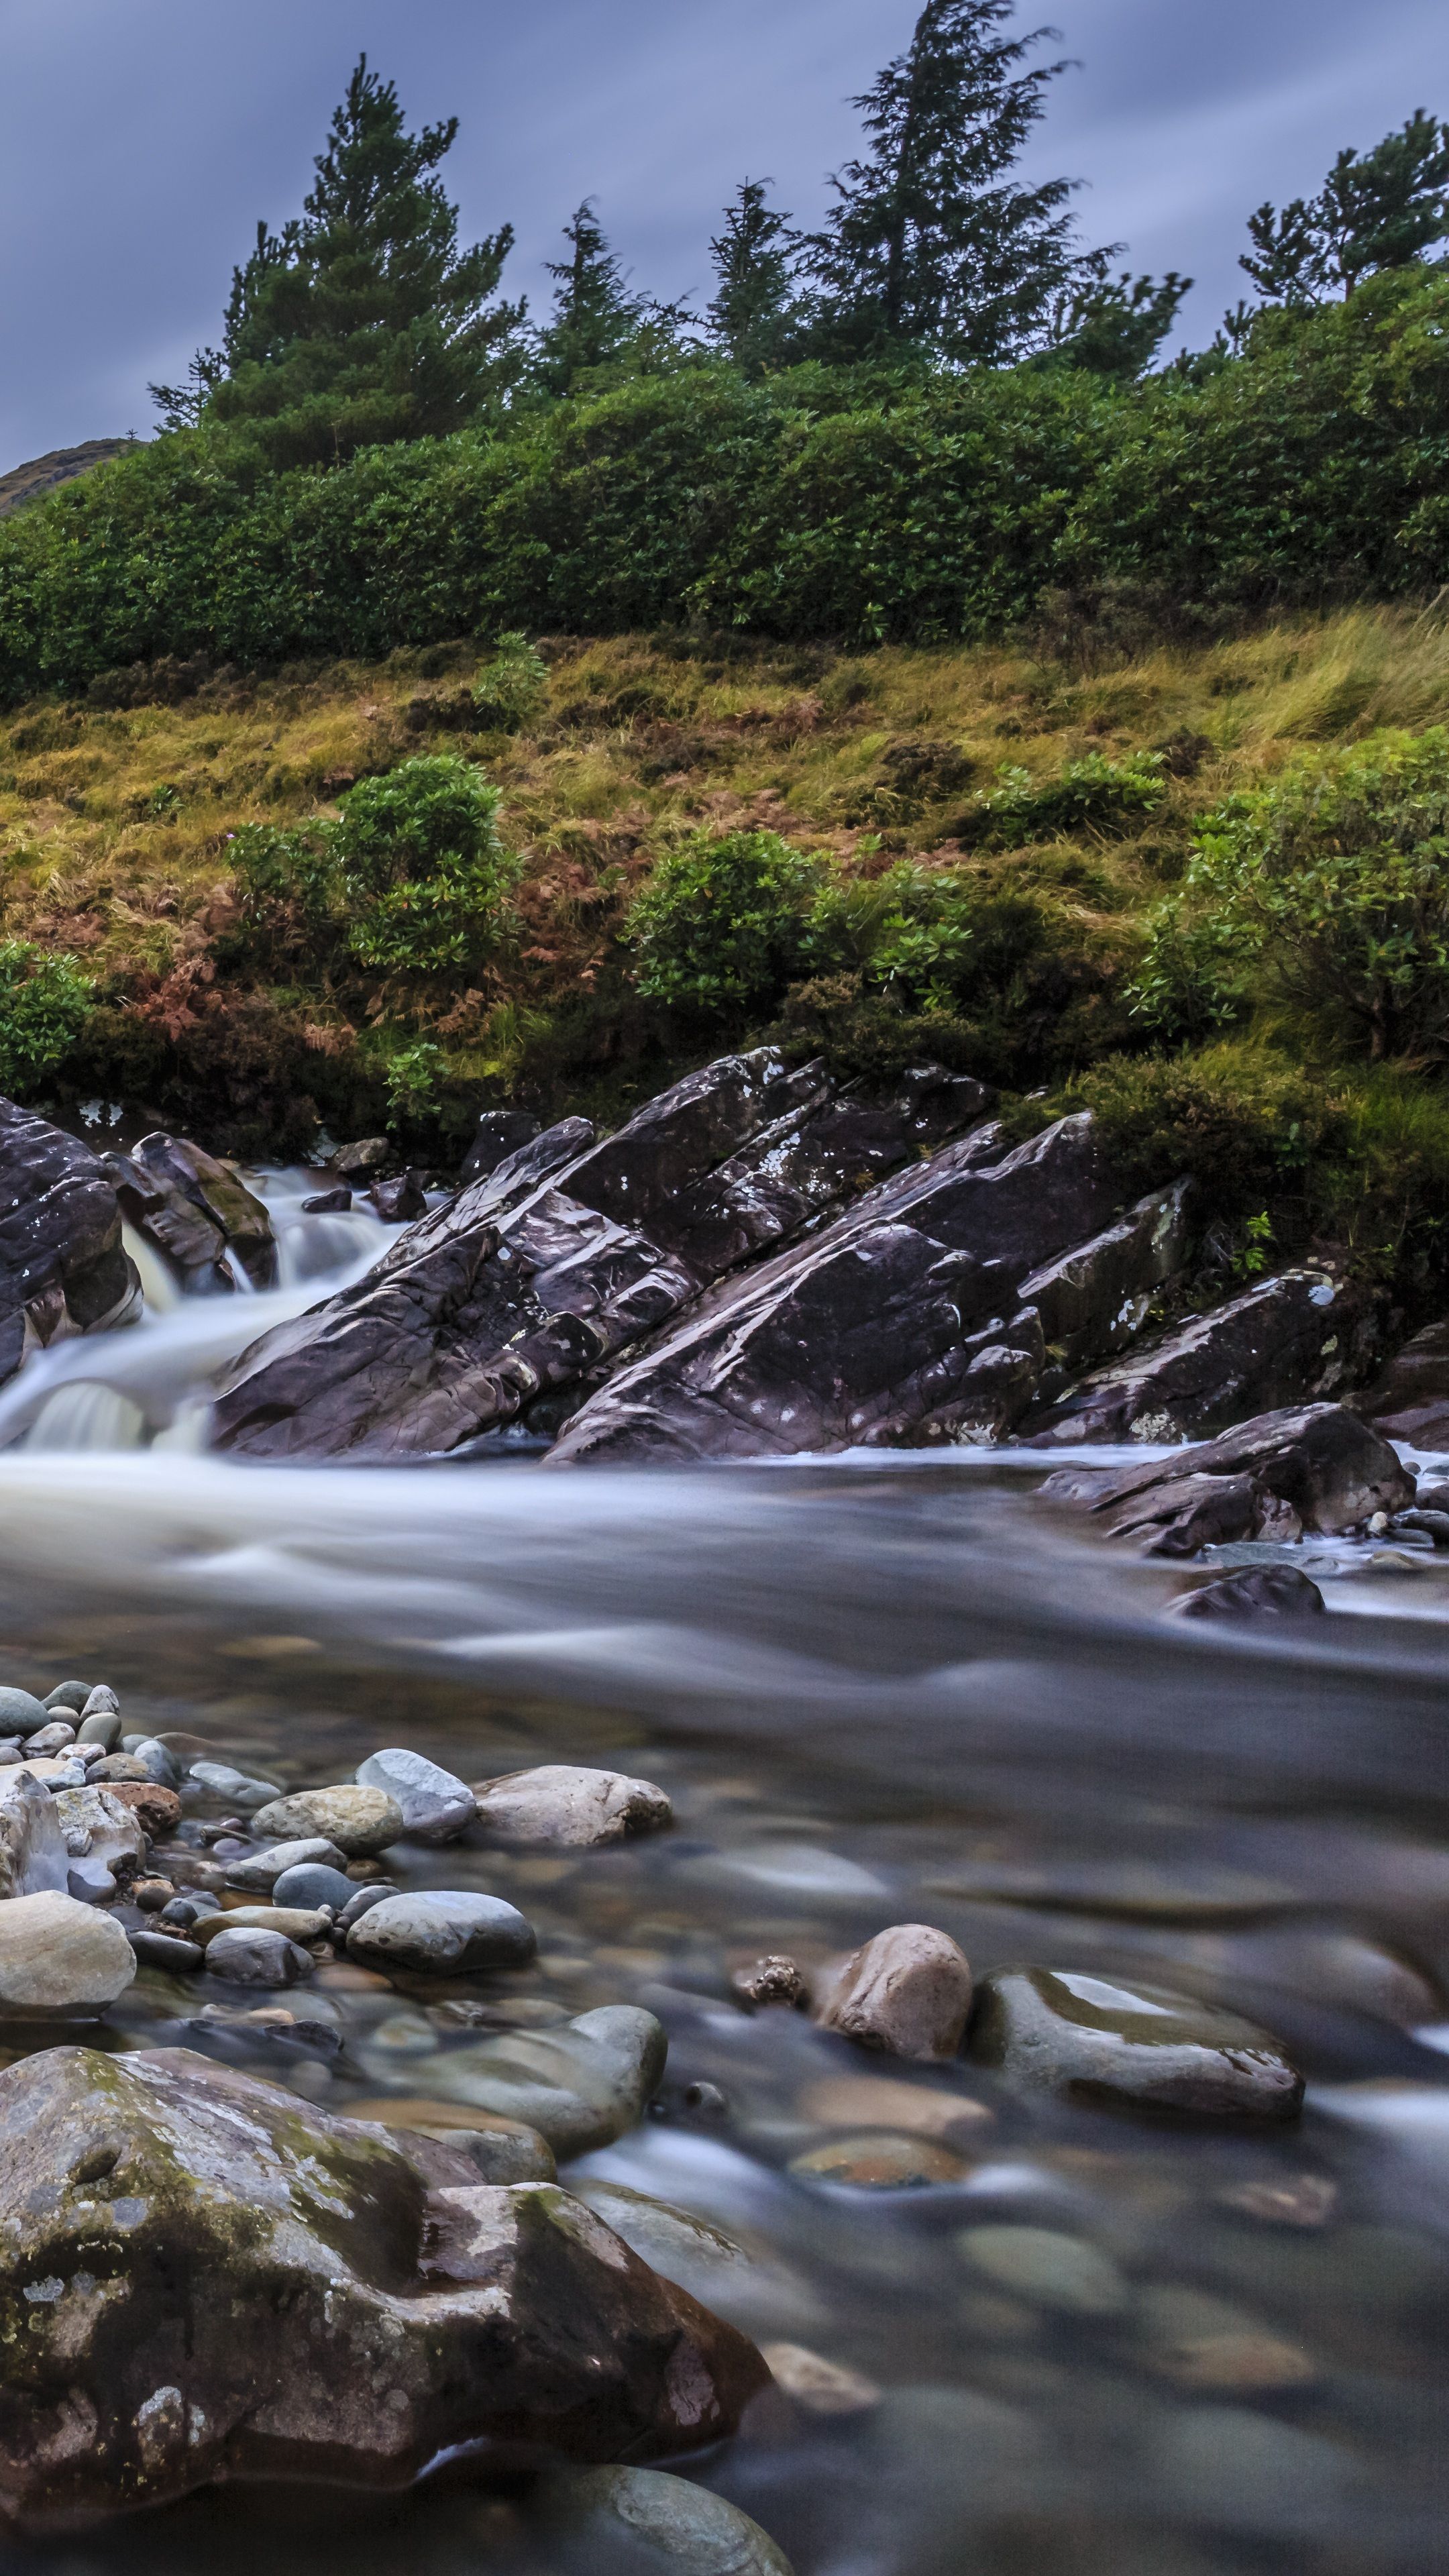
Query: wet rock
1275	1477
354	1162
436	1808
1291	2200
581	2084
196	1211
60	1957
21	1713
400	1200
114	1836
773	1980
168	1950
822	2387
907	1992
443	1931
866	1333
879	2102
360	1902
63	1268
159	1810
338	2317
1095	1298
157	1760
114	1767
1255	1592
624	2519
103	1727
298	1923
256	1958
1048	2269
499	1133
1201	2342
263	1869
359	1821
1138	2047
559	1803
880	2162
220	1780
1235	2469
69	1698
1282	1340
500	2150
336	1202
312	1883
1409	1400
33	1855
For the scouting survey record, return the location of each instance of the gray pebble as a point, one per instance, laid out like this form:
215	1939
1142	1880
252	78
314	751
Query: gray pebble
436	1806
219	1780
257	1958
68	1697
102	1702
443	1929
359	1902
20	1712
102	1728
50	1739
180	1912
161	1950
261	1870
312	1883
161	1764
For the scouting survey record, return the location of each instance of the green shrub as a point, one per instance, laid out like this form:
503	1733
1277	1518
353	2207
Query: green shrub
1093	794
720	927
423	871
511	688
1328	888
44	1003
288	898
1246	1123
412	1083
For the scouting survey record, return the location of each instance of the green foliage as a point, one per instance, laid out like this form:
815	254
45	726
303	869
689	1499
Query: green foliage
287	896
512	686
720	926
423	870
1376	210
1110	325
1093	795
1329	887
1242	1120
599	323
44	1003
911	931
412	1083
755	313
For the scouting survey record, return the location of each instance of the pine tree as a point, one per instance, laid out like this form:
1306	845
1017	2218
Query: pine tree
1378	209
1112	326
360	321
932	241
755	313
598	321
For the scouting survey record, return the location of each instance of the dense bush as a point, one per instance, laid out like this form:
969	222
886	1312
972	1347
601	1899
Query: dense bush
1094	795
44	1003
423	871
512	685
720	927
1328	887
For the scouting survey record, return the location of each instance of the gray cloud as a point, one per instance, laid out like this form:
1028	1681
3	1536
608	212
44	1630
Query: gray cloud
142	139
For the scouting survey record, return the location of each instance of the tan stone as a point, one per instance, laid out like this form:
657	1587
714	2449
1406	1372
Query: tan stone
907	1993
822	2387
561	1803
878	2102
359	1821
58	1956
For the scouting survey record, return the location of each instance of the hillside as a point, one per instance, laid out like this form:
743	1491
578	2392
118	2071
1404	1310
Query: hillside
43	474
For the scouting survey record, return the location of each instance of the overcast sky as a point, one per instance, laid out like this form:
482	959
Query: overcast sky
142	139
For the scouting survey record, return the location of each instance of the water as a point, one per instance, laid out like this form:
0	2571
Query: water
877	1691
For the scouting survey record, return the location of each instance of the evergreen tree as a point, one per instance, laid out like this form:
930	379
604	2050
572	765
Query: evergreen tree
598	321
1378	209
932	240
755	312
361	321
1112	326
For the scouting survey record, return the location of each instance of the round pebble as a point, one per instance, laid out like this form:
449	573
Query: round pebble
443	1929
881	2163
68	1697
1049	2269
21	1713
311	1883
164	1950
257	1958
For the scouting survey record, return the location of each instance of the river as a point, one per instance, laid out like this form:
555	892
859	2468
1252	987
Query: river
877	1689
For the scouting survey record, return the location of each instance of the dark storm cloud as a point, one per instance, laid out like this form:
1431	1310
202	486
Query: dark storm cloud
143	138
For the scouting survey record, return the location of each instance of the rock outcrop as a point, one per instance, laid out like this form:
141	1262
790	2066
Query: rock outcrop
207	2279
63	1268
569	1252
1410	1400
1275	1477
1283	1341
196	1211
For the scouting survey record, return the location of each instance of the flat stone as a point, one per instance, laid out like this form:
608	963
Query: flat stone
876	2102
1254	1592
907	1992
559	1803
261	1870
51	1739
435	1806
256	1958
444	1930
102	1727
33	1855
220	1780
880	2162
822	2387
1139	2046
297	1922
581	2084
60	1957
1048	2269
359	1821
637	2516
312	1883
167	1950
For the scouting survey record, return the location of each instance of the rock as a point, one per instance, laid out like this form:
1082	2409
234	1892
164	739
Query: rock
114	1767
568	1252
557	1803
196	1211
256	1958
158	1809
907	1992
359	1821
336	1202
263	1869
865	1333
152	1893
773	1980
822	2387
1255	1592
1292	2200
158	1762
1409	1401
312	1883
499	1133
102	1702
500	2150
622	2519
442	1930
68	1698
1142	2047
102	1728
60	1958
360	1902
219	1780
1282	1340
1201	2342
180	1958
1275	1477
20	1712
880	2162
879	2102
354	1162
1053	2271
436	1808
50	1739
581	2084
339	2319
114	1834
63	1268
298	1923
1095	1298
400	1200
33	1855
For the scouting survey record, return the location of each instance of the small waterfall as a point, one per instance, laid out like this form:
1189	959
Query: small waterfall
85	1415
159	1285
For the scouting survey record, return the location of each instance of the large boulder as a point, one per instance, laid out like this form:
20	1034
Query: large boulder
1409	1401
581	2084
196	1211
1275	1477
207	2279
568	1252
868	1332
1285	1339
33	1854
63	1268
1095	1298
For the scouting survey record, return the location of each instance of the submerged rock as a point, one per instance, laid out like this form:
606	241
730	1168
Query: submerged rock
436	1808
263	1869
581	2085
63	1268
1139	2047
234	2284
1255	1592
443	1931
907	1993
1048	2269
196	1211
627	2519
1275	1477
61	1958
359	1821
255	1956
1280	1341
560	1803
880	2162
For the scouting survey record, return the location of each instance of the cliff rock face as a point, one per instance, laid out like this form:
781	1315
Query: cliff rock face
62	1266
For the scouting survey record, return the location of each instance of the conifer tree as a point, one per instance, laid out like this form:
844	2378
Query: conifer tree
1112	326
1378	209
599	322
361	320
755	311
932	240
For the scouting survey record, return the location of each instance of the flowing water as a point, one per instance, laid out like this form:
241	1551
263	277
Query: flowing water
878	1690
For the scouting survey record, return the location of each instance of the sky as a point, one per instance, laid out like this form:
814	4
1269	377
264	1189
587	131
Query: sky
141	140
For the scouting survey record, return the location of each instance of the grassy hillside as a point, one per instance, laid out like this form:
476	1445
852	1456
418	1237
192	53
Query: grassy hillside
117	824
